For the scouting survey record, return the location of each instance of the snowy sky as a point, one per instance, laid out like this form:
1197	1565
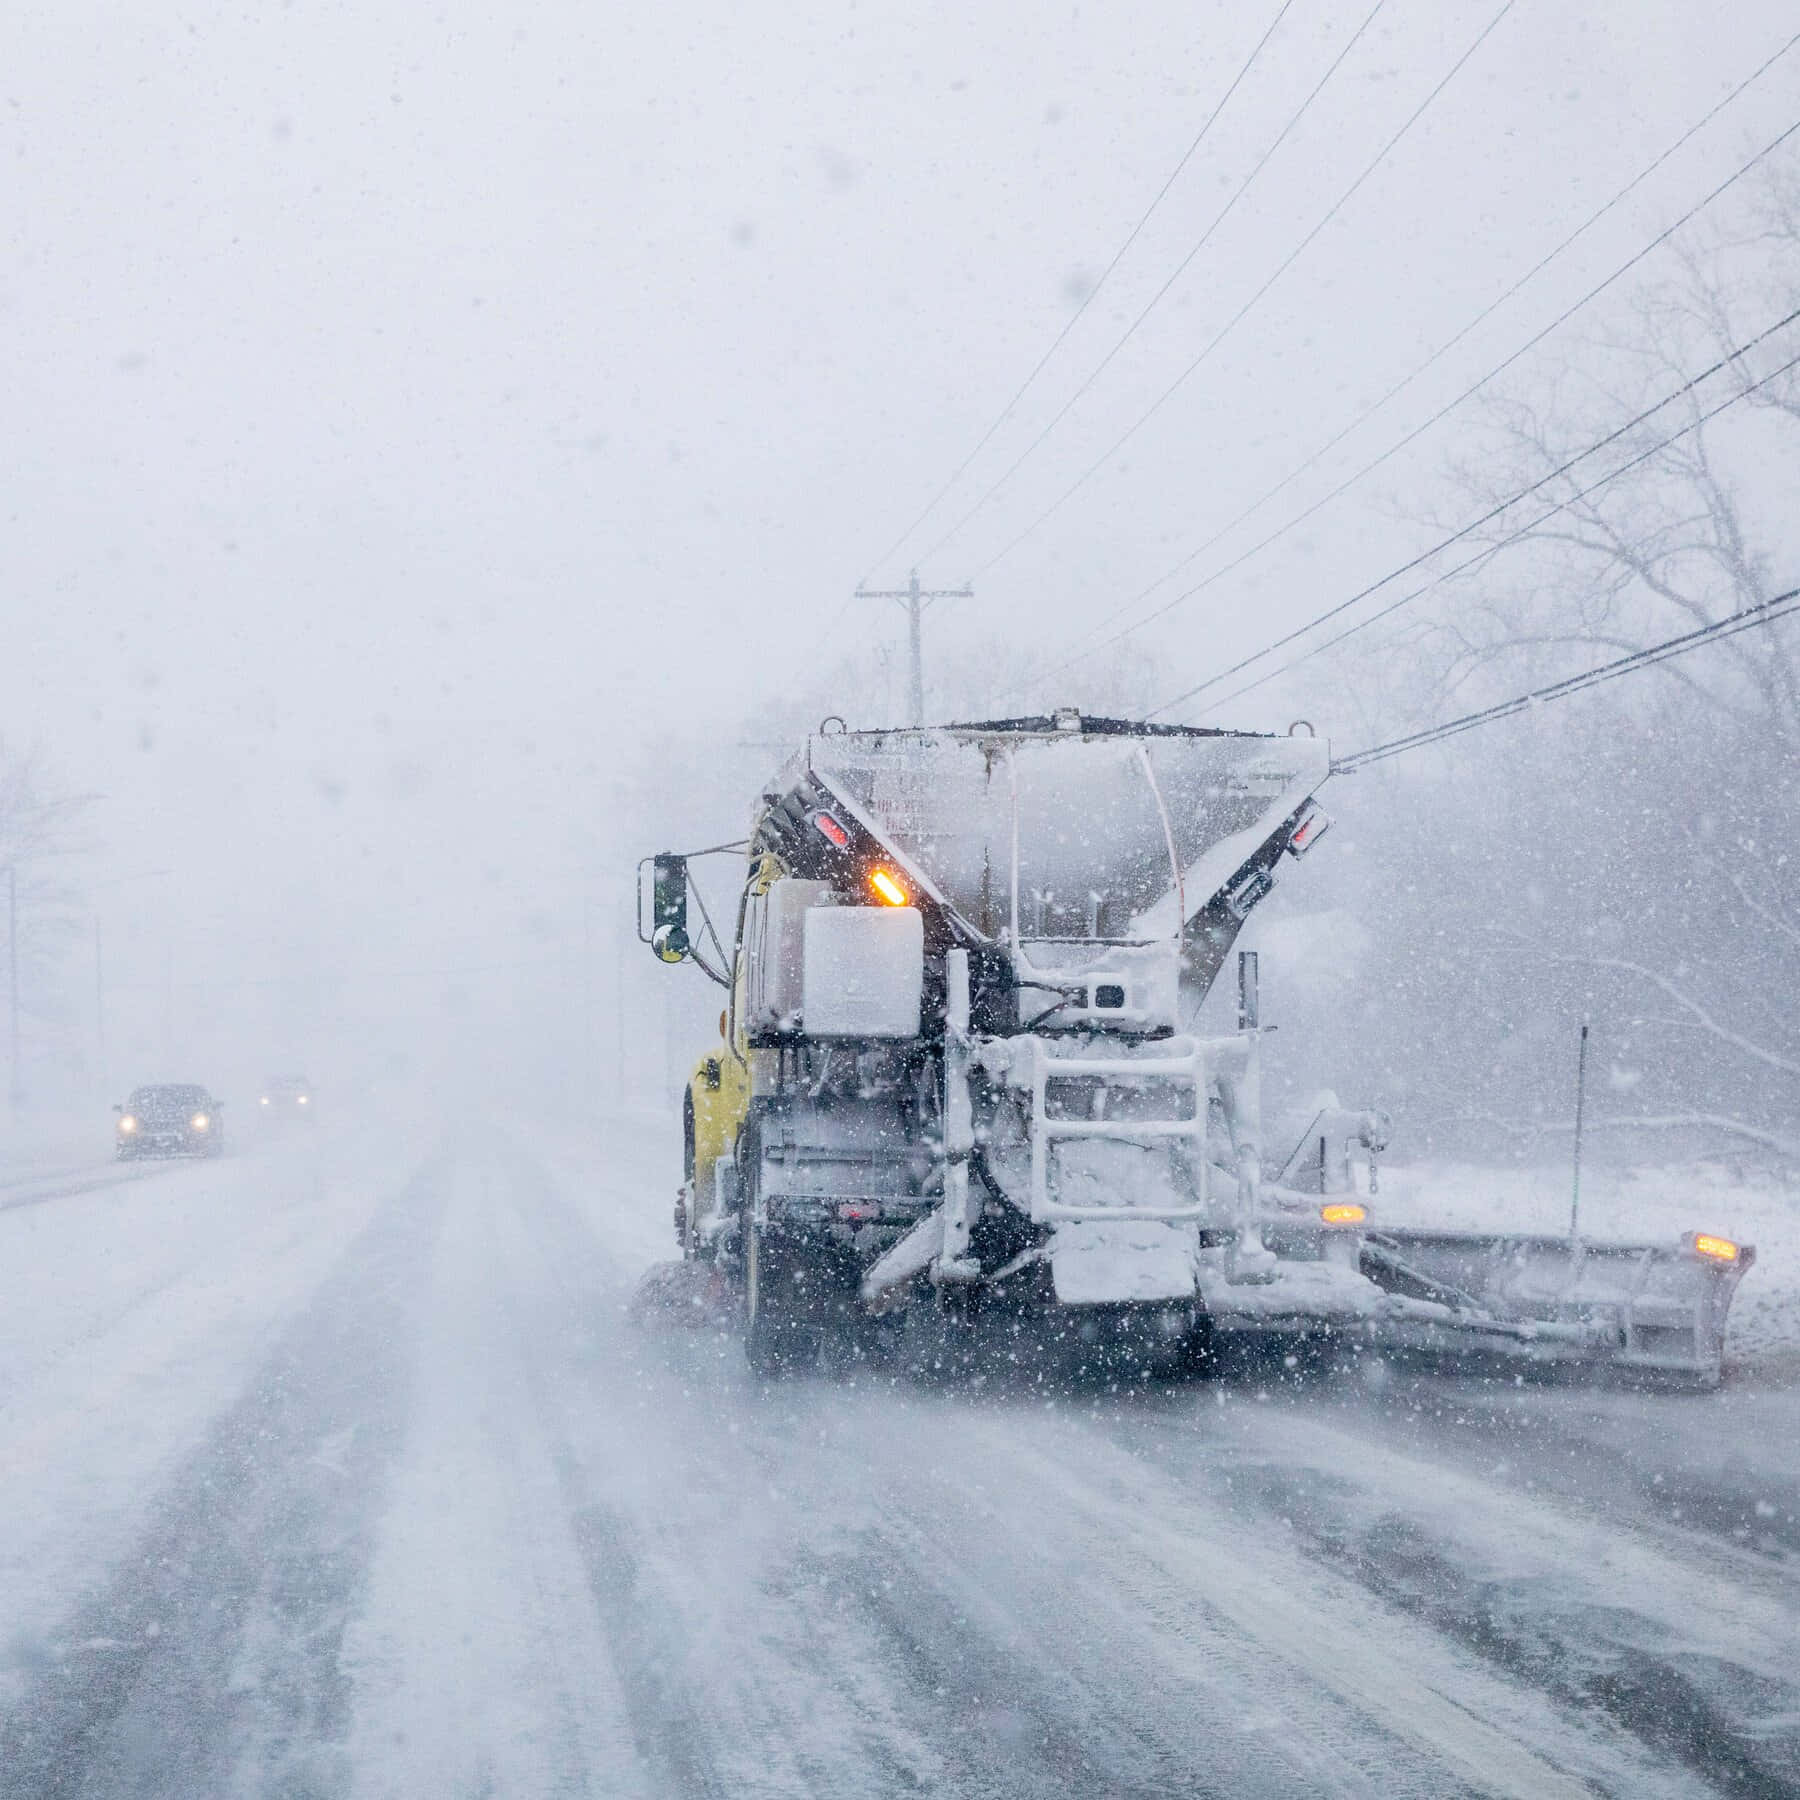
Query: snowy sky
411	406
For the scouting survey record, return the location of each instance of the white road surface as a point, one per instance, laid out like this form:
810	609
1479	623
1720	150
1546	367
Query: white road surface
335	1468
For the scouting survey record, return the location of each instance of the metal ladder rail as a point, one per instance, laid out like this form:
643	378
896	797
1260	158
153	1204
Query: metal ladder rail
1045	1130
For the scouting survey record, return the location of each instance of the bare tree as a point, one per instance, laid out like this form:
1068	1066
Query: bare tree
1681	519
1628	855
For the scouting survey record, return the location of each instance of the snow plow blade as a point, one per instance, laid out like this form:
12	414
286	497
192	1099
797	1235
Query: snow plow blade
1658	1308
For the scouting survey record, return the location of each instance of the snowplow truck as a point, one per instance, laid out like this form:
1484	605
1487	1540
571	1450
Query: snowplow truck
958	1070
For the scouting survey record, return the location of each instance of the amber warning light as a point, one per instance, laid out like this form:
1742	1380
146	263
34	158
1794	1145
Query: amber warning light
1343	1212
888	889
1718	1248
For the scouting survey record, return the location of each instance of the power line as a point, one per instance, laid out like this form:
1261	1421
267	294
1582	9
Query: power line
1287	263
1531	343
1088	299
1156	299
1491	515
1765	612
1436	356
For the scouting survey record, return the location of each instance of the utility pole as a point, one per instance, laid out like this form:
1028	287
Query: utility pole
915	599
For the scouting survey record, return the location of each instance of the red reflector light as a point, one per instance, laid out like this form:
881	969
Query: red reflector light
830	829
1343	1212
1718	1248
1309	831
887	888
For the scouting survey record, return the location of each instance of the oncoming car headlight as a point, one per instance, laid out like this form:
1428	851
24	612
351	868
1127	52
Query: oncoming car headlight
199	1121
128	1123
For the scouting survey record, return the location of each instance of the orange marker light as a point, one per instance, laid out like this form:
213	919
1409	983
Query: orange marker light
1718	1248
887	889
1343	1212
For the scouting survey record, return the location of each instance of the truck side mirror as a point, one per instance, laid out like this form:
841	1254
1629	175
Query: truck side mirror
669	908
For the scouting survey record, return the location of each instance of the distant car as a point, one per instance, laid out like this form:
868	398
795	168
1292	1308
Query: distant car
288	1097
172	1119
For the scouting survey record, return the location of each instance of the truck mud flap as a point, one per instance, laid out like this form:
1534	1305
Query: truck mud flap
1658	1308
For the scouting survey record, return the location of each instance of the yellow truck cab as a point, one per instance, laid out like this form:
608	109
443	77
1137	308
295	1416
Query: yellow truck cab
717	1102
712	1110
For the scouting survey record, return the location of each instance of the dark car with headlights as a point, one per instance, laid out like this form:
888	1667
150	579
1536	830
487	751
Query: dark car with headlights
173	1119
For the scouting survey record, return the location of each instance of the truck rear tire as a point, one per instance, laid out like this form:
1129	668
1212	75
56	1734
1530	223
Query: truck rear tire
775	1344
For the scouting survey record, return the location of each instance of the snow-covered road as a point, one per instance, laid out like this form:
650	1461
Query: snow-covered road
335	1468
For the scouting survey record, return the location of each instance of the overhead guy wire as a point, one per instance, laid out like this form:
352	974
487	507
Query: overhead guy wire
1764	612
1489	550
1087	300
1437	355
1155	300
1287	263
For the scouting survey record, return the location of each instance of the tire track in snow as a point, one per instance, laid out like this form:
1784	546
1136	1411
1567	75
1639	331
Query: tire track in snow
1734	1728
1335	1654
805	1599
715	1708
1195	1651
813	1590
209	1662
1688	1650
95	1183
478	1663
749	1662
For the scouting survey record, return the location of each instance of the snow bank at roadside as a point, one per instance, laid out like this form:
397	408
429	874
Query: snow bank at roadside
1650	1203
55	1141
136	1311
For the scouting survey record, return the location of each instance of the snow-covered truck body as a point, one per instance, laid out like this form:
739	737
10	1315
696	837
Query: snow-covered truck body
958	1068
